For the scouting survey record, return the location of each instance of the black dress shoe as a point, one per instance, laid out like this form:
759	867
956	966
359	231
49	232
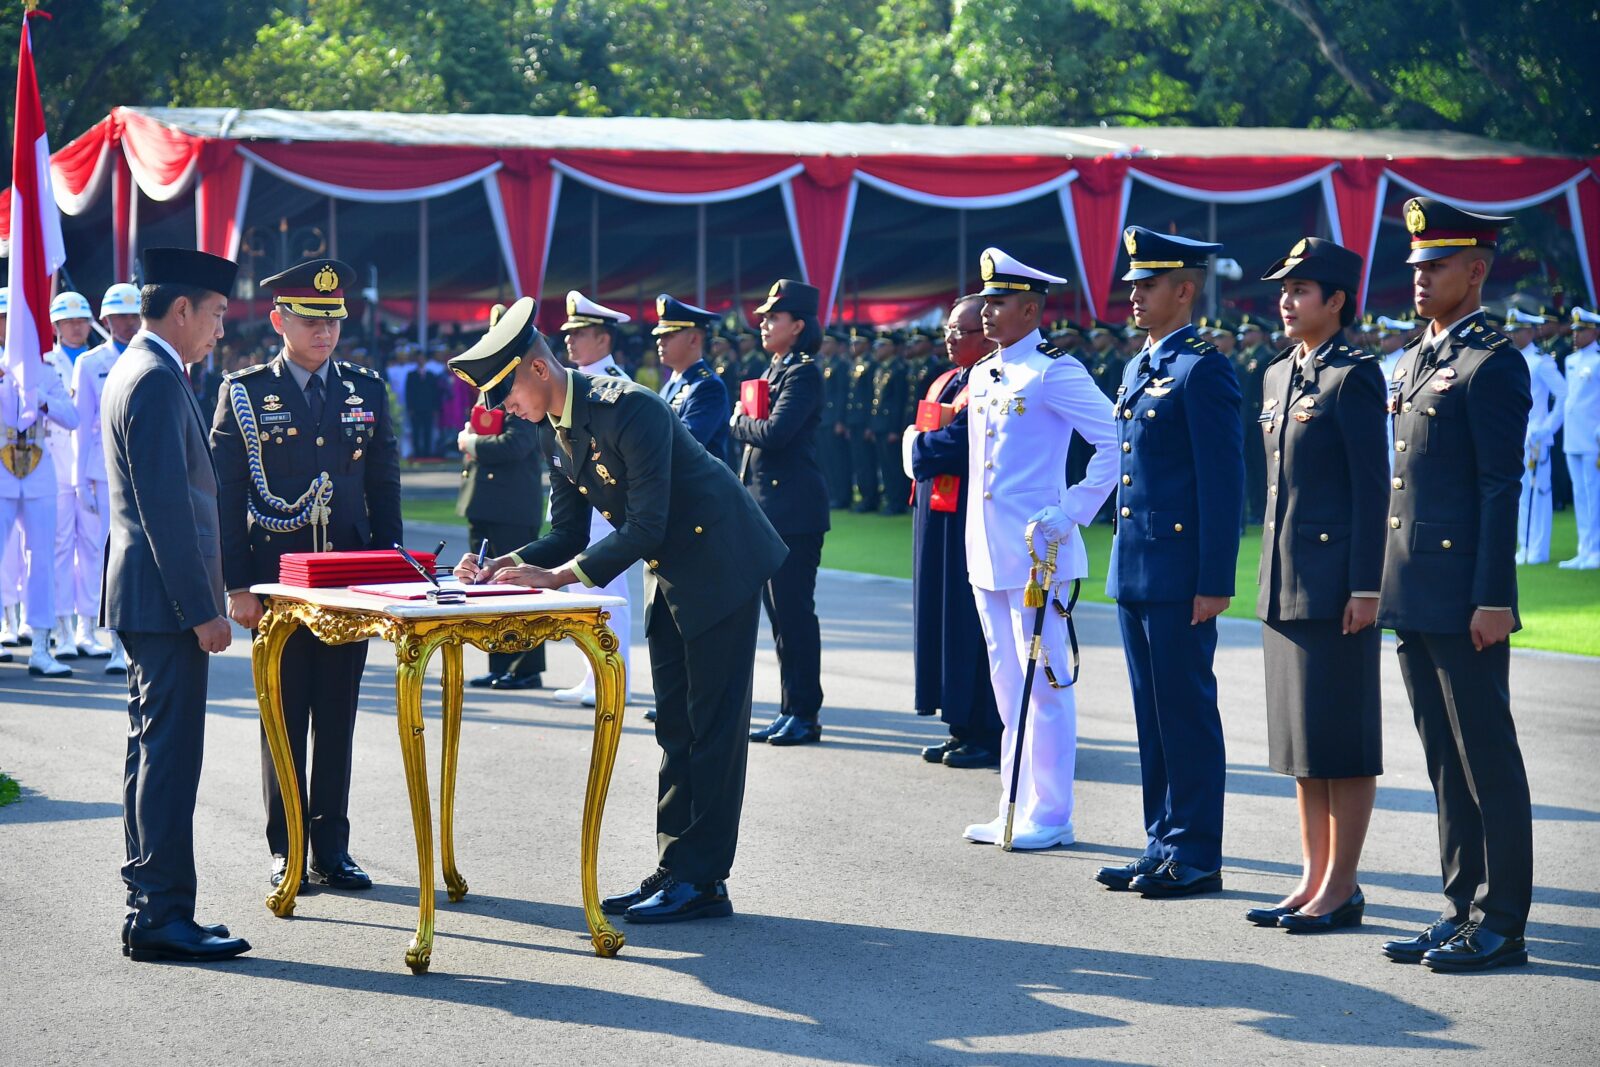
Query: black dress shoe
1266	916
280	867
797	731
676	902
1174	879
215	930
517	681
1476	949
766	732
969	756
1119	878
935	753
1412	949
182	940
484	681
643	891
1349	913
649	714
340	873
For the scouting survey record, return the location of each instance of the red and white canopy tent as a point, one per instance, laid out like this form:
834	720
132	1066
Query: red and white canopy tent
523	164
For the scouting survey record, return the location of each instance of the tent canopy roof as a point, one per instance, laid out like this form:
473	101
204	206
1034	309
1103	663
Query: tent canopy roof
748	136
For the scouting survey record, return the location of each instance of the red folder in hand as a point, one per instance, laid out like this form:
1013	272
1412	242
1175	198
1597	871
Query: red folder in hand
487	421
755	396
932	415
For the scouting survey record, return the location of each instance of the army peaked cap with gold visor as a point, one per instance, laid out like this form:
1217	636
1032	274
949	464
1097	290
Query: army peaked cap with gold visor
313	289
488	365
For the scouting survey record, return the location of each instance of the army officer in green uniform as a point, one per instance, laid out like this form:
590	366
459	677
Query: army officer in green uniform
306	462
617	447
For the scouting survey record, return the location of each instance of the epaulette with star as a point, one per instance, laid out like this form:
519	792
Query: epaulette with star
1049	350
244	372
356	368
604	390
1203	347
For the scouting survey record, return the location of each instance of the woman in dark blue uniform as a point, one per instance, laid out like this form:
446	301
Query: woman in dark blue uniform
1322	421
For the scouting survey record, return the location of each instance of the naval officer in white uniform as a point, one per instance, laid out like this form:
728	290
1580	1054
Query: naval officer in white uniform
591	335
1026	400
1549	390
1582	440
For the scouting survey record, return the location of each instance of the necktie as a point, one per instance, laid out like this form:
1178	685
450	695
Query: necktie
564	439
1144	361
315	397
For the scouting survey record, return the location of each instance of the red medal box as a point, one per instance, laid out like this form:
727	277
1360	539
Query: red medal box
323	570
755	396
487	421
932	415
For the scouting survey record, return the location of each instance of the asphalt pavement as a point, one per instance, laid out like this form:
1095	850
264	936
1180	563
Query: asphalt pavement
867	931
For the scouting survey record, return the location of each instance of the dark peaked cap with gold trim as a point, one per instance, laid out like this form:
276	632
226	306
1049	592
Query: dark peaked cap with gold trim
673	315
1002	275
1438	230
487	366
1317	260
313	289
797	298
1151	253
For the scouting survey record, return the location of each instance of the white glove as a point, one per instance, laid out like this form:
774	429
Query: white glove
1053	523
906	441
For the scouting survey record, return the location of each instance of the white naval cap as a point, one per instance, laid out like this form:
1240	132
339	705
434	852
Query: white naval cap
120	299
581	312
1583	317
69	305
1517	317
1398	325
1003	275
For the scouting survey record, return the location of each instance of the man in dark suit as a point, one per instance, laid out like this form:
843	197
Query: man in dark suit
615	447
1459	401
307	462
162	593
1172	562
502	500
779	464
694	391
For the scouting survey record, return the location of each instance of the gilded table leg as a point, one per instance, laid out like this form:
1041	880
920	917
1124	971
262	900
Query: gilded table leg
453	674
600	646
266	659
412	655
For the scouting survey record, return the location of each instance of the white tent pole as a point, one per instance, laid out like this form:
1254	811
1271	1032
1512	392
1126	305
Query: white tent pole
422	274
1212	283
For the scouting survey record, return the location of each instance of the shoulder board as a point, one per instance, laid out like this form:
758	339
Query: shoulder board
1490	338
805	358
1050	350
1359	353
1203	347
1415	341
244	372
356	368
604	390
702	371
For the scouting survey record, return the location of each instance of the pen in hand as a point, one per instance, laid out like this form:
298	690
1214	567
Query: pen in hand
482	549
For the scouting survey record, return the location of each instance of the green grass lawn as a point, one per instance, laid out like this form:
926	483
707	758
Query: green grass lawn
1560	609
9	789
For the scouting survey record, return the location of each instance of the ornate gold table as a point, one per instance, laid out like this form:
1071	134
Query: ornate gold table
417	629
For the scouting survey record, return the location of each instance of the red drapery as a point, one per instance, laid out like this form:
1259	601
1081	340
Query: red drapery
525	184
821	200
1098	199
122	192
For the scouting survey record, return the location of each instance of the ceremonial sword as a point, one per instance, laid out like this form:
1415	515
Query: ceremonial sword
1035	595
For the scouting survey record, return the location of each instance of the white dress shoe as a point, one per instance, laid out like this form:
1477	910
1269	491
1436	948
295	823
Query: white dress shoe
25	632
1029	836
8	628
118	663
1572	564
986	833
578	694
61	637
88	641
41	664
1521	557
1589	563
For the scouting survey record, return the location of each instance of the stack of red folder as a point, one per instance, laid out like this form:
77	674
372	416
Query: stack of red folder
322	570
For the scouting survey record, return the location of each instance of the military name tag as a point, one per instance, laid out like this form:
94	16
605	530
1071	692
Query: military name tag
277	416
1265	416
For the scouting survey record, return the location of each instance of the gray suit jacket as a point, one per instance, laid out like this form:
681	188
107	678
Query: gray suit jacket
163	570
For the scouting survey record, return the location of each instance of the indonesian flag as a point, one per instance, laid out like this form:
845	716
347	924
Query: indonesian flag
37	250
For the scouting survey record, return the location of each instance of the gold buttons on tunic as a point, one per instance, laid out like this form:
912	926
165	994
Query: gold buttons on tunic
989	466
988	496
1432	412
1127	512
1399	446
1272	489
1127	446
584	489
1127	414
1177	527
699	529
1127	479
774	481
654	564
1406	406
1150	414
490	475
1394	523
320	442
1322	537
606	515
989	432
1445	543
1399	483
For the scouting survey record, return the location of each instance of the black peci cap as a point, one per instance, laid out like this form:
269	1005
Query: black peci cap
185	266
